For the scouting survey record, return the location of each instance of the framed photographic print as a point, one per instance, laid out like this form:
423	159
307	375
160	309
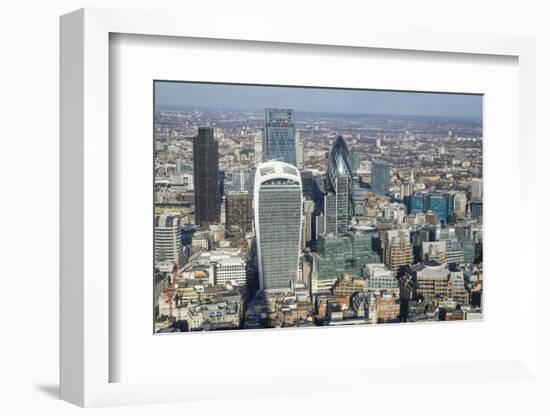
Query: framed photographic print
282	207
269	206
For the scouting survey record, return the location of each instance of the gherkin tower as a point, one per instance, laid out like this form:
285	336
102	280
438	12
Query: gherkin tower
340	186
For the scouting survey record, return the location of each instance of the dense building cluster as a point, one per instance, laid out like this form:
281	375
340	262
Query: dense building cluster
284	219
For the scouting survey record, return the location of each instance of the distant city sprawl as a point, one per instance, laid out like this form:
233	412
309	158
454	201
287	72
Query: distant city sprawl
281	217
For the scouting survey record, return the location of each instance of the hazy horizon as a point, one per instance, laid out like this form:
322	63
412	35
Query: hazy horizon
254	98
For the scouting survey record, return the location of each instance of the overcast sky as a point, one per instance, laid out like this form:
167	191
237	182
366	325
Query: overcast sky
251	97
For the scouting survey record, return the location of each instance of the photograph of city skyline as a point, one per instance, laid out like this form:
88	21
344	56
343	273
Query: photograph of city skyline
278	207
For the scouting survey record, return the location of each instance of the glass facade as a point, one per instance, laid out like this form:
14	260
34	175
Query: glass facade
206	176
455	252
340	184
238	180
312	186
469	251
330	214
343	207
440	203
358	201
380	177
278	211
339	165
476	210
280	138
344	254
416	204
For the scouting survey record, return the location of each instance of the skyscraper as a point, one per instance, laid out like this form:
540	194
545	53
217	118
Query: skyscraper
329	217
258	148
380	177
313	186
460	202
476	210
205	173
168	239
278	224
340	187
309	207
344	209
280	140
358	201
476	190
299	150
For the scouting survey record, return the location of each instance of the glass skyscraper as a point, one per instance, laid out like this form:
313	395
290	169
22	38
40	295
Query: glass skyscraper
278	224
340	187
280	137
417	204
205	177
380	177
440	203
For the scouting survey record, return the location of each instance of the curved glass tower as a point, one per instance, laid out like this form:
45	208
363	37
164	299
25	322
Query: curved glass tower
339	187
278	224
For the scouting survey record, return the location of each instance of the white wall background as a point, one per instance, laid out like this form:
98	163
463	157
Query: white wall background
29	207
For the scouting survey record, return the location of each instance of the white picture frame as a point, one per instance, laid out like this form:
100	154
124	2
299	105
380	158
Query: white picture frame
86	354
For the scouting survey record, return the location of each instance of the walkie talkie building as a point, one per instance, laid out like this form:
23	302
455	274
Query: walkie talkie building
278	224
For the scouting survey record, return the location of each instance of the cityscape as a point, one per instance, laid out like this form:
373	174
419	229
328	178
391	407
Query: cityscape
280	207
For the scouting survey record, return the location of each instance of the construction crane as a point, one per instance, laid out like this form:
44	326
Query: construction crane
170	296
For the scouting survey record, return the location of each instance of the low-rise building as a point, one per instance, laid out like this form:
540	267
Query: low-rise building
380	279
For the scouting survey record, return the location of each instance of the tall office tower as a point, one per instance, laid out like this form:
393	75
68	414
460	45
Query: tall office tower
355	162
312	186
299	150
460	204
398	252
280	141
344	210
238	211
339	182
206	176
406	189
476	190
380	177
320	225
329	209
169	239
221	181
476	210
358	201
278	224
309	207
258	147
